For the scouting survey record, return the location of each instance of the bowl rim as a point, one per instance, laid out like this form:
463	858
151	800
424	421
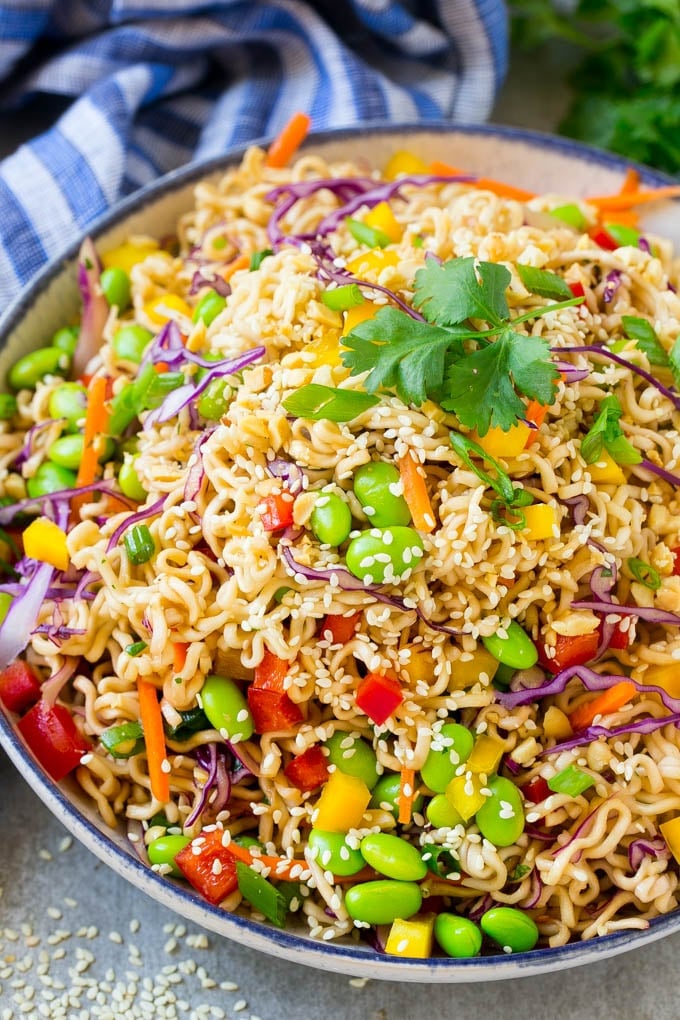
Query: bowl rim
299	948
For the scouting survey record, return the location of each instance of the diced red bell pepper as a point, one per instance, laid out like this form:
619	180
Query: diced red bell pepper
605	240
19	687
378	695
276	511
574	650
271	672
676	561
341	628
536	790
53	737
619	638
272	710
209	866
577	289
308	770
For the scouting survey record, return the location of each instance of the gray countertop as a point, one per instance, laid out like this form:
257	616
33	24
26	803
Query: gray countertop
78	943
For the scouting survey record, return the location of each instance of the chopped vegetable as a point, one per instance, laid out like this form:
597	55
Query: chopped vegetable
318	402
276	511
209	866
139	544
365	234
411	938
19	687
342	803
407	795
123	741
415	492
645	573
261	894
378	695
569	650
46	541
606	434
54	739
308	770
610	700
339	629
571	780
288	141
154	740
341	299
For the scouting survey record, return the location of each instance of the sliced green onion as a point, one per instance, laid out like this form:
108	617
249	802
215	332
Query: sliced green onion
571	215
543	283
159	387
644	335
280	594
623	235
644	573
261	894
193	720
127	404
571	781
440	861
136	648
465	447
139	545
8	406
123	741
328	403
417	241
340	299
370	236
257	258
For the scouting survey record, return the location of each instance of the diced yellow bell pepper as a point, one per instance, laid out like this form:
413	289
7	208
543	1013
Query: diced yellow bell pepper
556	724
382	218
485	755
353	316
667	676
161	308
404	162
465	794
606	470
326	350
127	255
342	803
45	541
411	938
498	443
467	672
373	260
671	833
540	519
420	665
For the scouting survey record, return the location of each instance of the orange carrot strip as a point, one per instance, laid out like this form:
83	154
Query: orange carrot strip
624	217
613	203
499	188
291	137
535	413
407	794
154	739
240	262
281	867
631	182
96	424
605	703
444	169
415	493
179	655
161	366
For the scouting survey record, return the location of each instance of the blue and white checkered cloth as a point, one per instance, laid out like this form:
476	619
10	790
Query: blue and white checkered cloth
155	84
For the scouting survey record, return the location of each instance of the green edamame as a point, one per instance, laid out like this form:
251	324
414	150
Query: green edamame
384	555
353	756
501	816
377	486
383	901
226	708
50	478
130	342
209	307
334	854
164	850
516	650
26	373
386	794
67	451
331	519
66	339
510	928
128	479
393	856
8	406
69	401
458	936
115	285
450	748
441	813
213	401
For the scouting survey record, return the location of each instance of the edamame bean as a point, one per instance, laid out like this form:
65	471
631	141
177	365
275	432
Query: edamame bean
393	856
209	307
501	816
331	519
130	342
386	555
386	794
516	650
449	749
334	854
66	339
226	708
510	928
164	850
115	285
67	451
383	901
26	373
377	486
69	401
441	813
50	478
213	401
458	936
128	479
353	756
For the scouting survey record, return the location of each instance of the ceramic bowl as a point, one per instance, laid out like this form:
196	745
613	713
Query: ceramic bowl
531	160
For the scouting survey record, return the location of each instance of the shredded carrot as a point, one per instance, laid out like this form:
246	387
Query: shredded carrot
499	188
407	794
96	424
631	182
280	867
623	217
535	413
415	493
629	199
608	701
240	262
161	366
154	739
291	137
179	655
445	169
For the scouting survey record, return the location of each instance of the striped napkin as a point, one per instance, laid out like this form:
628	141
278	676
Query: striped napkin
153	84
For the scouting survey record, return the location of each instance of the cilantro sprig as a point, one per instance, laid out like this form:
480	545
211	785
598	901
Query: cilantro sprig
483	375
606	433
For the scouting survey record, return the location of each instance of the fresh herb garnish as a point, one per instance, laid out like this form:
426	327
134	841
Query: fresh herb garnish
674	362
505	509
543	283
644	573
606	433
644	335
328	403
519	872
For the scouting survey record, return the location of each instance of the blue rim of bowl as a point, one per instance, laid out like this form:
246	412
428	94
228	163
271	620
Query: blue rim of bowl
300	948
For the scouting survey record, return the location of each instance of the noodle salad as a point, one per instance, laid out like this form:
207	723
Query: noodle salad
341	552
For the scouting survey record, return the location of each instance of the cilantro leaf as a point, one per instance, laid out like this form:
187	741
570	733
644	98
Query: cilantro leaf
483	387
328	403
606	433
401	353
462	289
644	335
543	283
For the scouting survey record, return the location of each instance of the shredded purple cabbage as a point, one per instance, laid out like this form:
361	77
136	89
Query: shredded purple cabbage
513	767
536	890
52	687
215	282
289	473
129	522
249	766
647	725
671	395
213	759
52	501
539	834
570	372
26	450
23	612
196	473
95	307
481	907
667	476
655	847
648	613
644	245
612	283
